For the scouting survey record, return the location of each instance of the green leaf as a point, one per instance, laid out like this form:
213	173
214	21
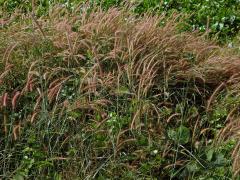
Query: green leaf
183	134
193	167
210	154
220	159
180	135
18	177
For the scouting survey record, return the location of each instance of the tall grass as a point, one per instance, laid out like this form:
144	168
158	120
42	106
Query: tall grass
106	94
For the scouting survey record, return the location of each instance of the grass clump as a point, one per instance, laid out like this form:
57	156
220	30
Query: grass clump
105	94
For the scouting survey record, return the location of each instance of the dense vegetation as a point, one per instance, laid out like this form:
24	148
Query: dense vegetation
220	17
96	92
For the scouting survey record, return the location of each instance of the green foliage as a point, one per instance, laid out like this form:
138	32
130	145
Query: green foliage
217	16
221	17
181	135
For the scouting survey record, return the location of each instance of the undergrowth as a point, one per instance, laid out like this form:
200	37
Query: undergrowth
97	94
